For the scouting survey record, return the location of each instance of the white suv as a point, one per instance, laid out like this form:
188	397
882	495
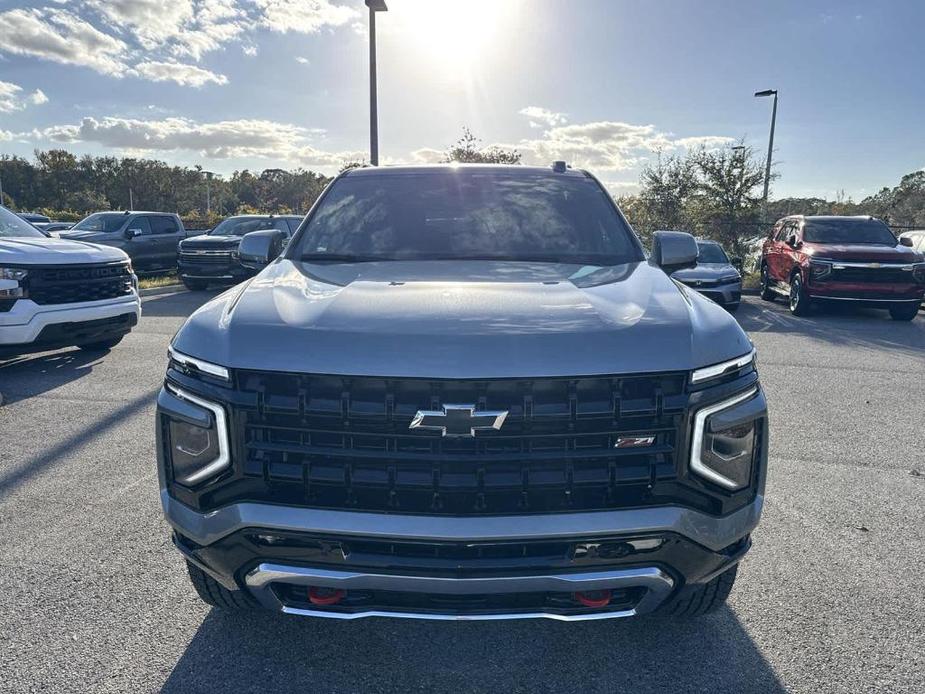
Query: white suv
58	293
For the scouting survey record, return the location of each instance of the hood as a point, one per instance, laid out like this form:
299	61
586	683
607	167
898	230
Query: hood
205	241
45	251
461	320
705	271
863	253
81	235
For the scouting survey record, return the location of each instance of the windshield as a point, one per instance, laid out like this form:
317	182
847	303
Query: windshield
463	215
238	226
869	231
711	253
12	225
101	221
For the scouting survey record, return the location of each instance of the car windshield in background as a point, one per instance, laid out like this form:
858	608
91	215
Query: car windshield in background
245	225
710	253
868	231
461	215
101	221
14	226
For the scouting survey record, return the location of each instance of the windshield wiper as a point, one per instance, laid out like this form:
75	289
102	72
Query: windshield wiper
342	258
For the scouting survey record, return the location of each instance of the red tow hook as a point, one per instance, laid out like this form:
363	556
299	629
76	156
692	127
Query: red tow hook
593	598
325	596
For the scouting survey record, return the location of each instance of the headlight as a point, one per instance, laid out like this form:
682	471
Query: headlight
191	364
723	446
11	279
819	270
197	439
918	273
729	278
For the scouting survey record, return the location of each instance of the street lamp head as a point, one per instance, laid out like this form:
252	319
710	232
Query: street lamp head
377	5
766	92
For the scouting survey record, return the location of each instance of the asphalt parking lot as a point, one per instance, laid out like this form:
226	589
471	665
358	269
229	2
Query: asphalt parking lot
831	598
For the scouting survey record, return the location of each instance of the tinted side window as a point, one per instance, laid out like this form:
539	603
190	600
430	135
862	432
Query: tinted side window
164	225
293	224
281	225
783	232
141	223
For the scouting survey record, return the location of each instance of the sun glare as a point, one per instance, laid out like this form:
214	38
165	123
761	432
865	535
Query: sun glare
455	36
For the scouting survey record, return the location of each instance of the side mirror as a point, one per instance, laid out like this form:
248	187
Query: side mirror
906	241
673	250
793	242
132	233
737	262
259	248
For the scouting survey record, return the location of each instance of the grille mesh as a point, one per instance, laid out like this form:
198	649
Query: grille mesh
341	442
68	284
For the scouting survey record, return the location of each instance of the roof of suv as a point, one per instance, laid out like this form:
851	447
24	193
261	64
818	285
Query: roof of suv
450	168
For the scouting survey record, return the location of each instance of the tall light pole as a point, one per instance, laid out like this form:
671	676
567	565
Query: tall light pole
374	7
767	168
208	192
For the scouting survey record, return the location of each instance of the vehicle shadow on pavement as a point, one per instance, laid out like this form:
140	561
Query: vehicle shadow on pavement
247	652
22	473
29	375
839	325
179	304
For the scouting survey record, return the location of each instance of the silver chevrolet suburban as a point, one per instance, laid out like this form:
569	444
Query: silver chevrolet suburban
463	392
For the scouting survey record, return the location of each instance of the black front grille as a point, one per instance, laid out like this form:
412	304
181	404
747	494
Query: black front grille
345	443
68	284
882	275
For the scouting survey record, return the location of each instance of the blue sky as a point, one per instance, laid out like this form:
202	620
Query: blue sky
605	84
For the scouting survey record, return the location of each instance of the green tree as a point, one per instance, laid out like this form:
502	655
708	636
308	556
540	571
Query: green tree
467	150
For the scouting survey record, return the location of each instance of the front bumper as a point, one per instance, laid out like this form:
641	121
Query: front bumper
729	294
501	567
230	271
27	325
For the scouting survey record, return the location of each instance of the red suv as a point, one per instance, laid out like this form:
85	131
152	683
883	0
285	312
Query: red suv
857	259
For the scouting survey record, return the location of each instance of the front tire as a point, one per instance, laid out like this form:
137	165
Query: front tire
703	599
102	345
766	292
215	594
904	312
799	301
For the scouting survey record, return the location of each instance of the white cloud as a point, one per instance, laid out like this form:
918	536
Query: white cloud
12	99
37	98
151	21
219	140
304	16
601	145
186	75
427	155
540	117
62	37
302	60
250	51
187	28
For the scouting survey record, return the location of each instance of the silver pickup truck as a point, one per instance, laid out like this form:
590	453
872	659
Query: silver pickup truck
463	392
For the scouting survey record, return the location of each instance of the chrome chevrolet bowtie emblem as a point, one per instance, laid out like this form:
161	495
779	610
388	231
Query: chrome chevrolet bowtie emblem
458	420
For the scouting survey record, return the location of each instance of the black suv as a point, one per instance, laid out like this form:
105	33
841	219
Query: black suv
212	257
463	393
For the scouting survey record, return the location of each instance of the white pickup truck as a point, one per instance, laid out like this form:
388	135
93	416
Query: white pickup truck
59	293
